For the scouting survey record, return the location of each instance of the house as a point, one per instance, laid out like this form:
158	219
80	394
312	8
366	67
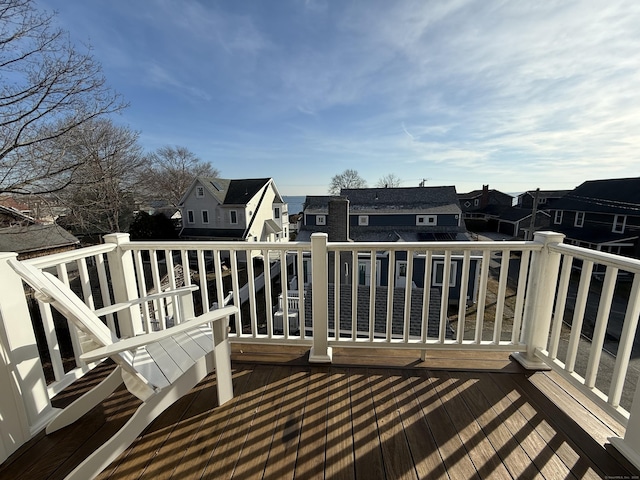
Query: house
415	214
22	234
249	210
516	222
602	215
475	203
545	198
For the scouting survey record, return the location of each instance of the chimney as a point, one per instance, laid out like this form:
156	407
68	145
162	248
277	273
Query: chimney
338	219
484	200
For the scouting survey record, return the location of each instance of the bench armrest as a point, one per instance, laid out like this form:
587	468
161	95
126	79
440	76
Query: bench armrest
148	338
116	307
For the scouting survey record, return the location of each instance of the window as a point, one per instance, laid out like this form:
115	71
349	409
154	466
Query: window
233	216
467	204
199	192
558	217
276	212
205	216
426	220
619	222
190	216
476	202
438	274
363	219
579	222
321	219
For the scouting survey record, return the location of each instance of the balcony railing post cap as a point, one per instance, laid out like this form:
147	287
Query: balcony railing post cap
7	255
116	238
548	237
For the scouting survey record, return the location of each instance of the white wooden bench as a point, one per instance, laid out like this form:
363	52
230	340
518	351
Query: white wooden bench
158	367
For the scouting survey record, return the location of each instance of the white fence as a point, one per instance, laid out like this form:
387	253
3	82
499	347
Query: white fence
537	299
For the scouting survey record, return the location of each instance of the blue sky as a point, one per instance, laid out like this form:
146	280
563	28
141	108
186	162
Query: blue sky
517	95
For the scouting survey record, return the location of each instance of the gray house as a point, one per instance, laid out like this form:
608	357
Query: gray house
420	214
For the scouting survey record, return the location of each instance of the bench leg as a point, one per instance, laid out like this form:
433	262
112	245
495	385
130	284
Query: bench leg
222	361
86	402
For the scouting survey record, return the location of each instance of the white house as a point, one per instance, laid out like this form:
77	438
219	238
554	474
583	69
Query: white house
249	210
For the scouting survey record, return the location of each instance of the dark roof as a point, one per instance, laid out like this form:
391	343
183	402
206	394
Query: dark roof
380	322
32	238
545	193
614	196
514	214
593	235
234	192
398	199
212	233
241	191
318	203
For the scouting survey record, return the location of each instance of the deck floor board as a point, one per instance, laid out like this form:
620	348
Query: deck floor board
292	420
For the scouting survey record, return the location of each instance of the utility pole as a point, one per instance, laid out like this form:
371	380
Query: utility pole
534	212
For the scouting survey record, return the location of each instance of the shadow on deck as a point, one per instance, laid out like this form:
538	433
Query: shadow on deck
369	415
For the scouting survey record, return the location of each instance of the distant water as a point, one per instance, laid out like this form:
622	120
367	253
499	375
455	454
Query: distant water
294	202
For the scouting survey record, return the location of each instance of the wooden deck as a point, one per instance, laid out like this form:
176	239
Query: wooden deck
480	418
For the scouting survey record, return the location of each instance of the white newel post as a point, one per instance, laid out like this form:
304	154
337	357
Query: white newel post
123	280
629	446
25	407
320	351
539	300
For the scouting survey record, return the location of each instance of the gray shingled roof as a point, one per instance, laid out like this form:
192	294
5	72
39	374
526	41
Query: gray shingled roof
31	238
423	199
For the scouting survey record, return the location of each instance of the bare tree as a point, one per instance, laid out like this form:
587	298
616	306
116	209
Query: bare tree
99	197
347	179
390	180
170	171
48	89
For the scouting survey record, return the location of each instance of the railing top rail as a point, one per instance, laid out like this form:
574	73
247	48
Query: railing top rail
70	256
436	246
603	258
214	245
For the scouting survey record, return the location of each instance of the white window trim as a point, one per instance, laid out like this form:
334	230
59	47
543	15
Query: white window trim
557	219
427	220
363	219
579	221
191	217
231	212
453	272
205	213
276	212
199	192
321	219
615	228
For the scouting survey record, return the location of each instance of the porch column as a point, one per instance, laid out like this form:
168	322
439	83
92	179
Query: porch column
541	290
320	351
629	446
125	286
25	408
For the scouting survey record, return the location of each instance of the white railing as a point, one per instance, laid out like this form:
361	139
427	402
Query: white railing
532	299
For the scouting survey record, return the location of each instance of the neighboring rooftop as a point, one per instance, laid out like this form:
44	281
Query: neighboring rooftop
618	196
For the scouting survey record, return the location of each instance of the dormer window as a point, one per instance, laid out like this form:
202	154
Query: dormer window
321	219
199	191
363	219
233	216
